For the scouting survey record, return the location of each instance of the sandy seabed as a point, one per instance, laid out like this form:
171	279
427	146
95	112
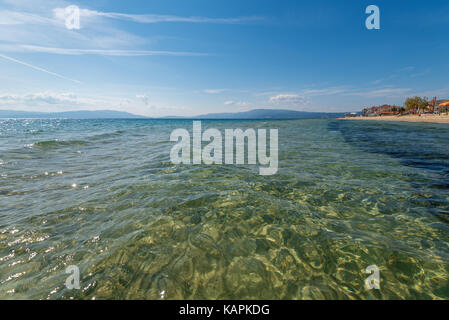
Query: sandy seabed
408	118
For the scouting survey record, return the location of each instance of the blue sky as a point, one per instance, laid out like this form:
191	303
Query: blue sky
169	57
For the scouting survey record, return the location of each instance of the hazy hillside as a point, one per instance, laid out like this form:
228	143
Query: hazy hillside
271	114
110	114
100	114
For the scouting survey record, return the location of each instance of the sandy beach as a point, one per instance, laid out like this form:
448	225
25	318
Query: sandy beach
408	118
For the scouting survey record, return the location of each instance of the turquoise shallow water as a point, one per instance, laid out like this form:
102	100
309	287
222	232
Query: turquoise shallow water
103	195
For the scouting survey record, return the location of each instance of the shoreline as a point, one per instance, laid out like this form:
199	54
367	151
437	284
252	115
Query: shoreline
432	118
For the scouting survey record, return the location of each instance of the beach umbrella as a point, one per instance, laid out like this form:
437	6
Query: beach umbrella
445	104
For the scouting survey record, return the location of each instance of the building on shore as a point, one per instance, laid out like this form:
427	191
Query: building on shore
383	110
442	106
433	106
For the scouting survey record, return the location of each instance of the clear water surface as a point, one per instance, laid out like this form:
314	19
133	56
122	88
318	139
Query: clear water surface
103	195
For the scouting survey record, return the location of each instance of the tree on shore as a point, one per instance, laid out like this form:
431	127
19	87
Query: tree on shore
397	109
417	104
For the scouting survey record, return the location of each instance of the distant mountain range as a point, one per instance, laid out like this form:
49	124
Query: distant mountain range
271	114
110	114
100	114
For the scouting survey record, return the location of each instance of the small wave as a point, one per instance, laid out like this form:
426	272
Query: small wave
58	143
104	136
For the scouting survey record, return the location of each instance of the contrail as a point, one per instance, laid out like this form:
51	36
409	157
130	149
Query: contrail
37	68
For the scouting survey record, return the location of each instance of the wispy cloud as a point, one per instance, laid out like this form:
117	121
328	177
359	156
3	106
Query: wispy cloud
29	31
20	29
157	18
421	73
214	91
323	91
288	99
383	92
236	103
144	98
11	17
440	92
8	17
401	72
50	101
38	68
104	52
53	99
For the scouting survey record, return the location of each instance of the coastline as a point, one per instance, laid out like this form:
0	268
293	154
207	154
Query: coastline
433	118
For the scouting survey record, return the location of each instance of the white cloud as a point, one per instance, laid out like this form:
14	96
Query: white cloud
383	92
236	103
11	17
50	101
143	98
288	99
35	99
67	51
322	92
155	18
30	29
39	28
8	17
214	91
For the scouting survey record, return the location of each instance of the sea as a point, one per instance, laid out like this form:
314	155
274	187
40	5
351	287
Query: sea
349	197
